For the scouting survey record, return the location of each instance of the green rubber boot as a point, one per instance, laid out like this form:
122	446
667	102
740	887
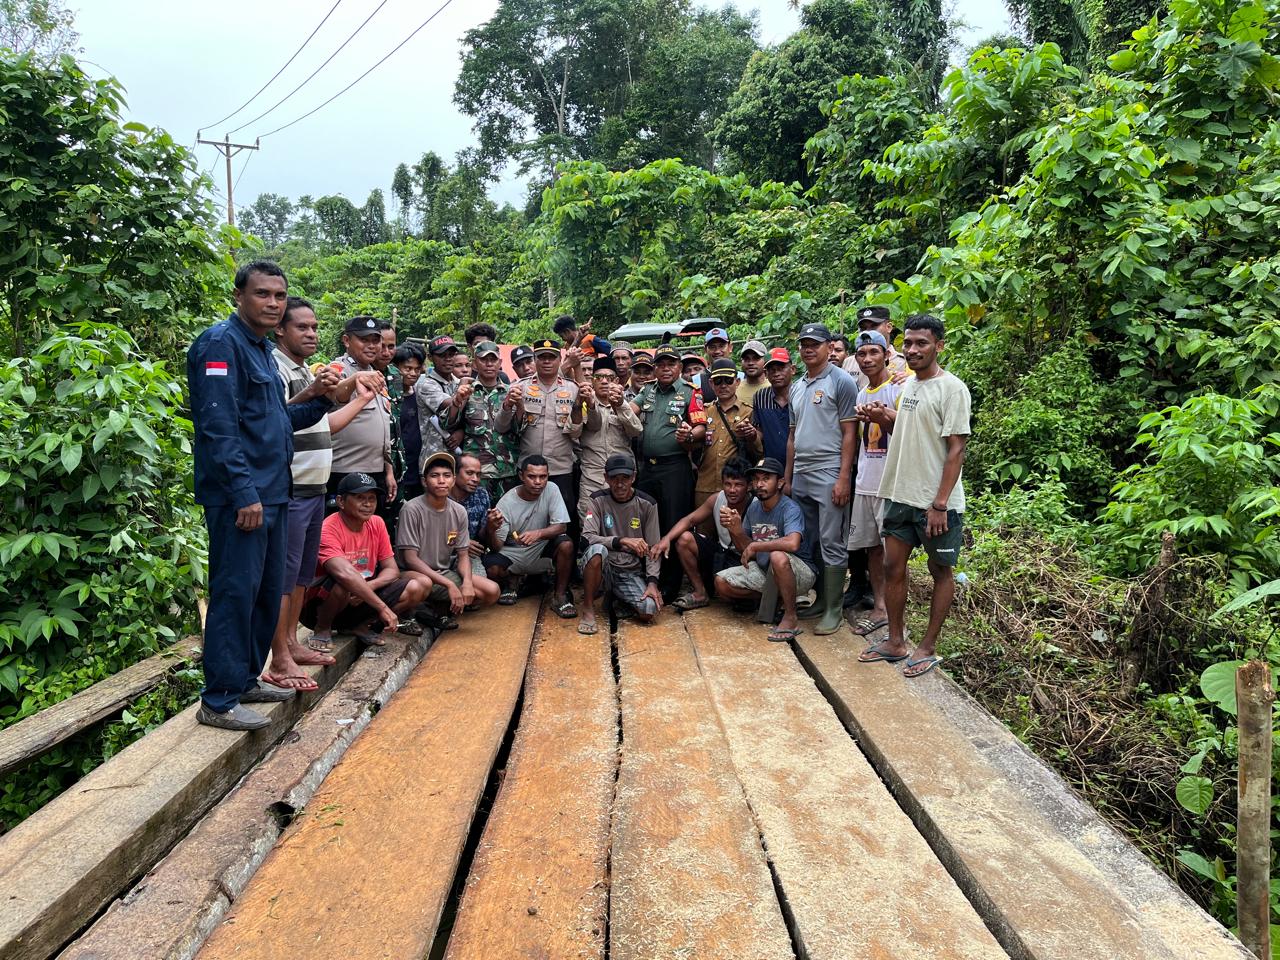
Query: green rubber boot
833	608
819	603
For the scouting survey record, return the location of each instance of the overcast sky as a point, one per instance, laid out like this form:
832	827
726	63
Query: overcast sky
184	65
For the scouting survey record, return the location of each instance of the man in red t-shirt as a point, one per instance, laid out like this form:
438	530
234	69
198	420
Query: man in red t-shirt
361	583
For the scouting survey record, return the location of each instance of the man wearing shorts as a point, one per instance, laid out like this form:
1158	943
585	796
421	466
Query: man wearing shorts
770	538
923	492
529	536
297	341
703	556
877	407
361	583
433	543
620	527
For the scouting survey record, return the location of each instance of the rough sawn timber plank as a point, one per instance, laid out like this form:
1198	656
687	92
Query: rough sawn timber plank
860	881
64	863
43	731
169	912
689	878
366	869
1043	897
538	885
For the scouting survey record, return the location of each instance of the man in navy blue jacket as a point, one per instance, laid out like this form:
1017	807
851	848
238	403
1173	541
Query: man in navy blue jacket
243	447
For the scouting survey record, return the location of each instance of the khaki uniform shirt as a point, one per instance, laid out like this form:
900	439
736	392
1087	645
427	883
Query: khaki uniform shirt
723	444
547	427
605	431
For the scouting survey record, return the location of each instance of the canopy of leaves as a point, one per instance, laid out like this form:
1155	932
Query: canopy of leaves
117	229
776	108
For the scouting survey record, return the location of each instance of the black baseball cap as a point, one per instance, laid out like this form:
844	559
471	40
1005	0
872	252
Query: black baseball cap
876	315
642	358
443	344
521	353
356	483
815	331
619	464
363	327
767	465
724	369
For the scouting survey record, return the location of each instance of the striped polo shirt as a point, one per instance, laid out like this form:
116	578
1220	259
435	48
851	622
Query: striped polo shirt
312	446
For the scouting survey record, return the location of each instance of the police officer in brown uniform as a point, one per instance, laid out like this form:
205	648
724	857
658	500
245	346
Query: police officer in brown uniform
674	424
543	410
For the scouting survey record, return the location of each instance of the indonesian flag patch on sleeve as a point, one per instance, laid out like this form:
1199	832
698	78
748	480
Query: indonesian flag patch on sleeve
215	368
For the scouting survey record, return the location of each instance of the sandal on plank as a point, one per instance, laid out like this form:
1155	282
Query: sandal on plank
927	662
877	654
690	602
864	626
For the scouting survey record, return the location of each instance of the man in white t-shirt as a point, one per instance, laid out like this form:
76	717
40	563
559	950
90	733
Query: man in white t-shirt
527	534
923	491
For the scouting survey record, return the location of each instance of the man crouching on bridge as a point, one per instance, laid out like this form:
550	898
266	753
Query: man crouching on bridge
619	527
361	583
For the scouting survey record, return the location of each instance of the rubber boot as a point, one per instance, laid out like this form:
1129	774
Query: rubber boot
832	612
859	583
819	586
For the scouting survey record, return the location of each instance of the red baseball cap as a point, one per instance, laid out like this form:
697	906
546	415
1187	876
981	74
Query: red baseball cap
778	355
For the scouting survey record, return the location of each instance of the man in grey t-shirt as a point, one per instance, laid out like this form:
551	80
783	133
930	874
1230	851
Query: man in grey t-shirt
528	536
433	545
820	455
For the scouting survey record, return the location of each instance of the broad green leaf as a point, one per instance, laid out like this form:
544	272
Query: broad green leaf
1218	684
1195	793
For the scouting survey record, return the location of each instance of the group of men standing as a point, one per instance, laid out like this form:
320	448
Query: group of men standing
351	496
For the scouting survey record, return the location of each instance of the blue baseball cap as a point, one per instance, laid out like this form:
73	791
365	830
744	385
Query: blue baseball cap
871	338
716	333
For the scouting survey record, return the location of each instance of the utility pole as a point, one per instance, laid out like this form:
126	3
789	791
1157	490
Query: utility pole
229	150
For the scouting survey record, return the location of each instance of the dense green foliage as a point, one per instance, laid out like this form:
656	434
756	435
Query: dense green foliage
112	260
1093	216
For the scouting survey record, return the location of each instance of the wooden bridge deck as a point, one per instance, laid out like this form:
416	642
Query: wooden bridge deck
684	790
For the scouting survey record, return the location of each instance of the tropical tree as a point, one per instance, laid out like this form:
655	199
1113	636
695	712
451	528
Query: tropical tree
777	106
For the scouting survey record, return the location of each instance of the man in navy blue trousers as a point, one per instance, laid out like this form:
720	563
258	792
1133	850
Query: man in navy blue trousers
243	447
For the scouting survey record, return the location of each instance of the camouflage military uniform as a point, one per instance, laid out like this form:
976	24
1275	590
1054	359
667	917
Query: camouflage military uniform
496	451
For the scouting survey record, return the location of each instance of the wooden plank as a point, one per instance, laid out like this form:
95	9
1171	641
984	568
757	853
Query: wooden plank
538	885
1035	888
40	732
859	880
64	863
690	879
171	910
366	870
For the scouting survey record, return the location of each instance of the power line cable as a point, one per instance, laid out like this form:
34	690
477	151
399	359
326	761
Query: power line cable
277	73
439	10
243	167
314	72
